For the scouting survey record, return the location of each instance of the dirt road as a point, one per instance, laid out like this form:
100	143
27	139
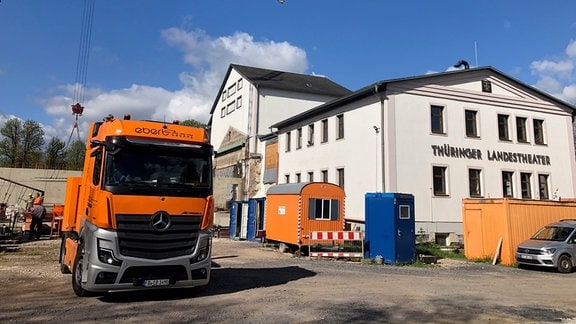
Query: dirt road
251	284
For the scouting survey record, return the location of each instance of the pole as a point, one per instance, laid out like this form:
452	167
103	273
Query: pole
377	131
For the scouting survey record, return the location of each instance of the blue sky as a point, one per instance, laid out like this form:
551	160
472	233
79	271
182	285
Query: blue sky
166	59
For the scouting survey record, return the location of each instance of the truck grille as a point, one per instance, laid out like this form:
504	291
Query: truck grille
137	237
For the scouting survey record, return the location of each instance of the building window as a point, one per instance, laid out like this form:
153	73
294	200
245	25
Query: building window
325	209
224	95
439	181
526	185
543	186
311	176
471	123
521	134
507	185
486	86
538	131
475	183
310	134
324	130
340	173
239	102
231	90
230	108
437	119
324	174
503	132
223	112
288	141
299	138
298	178
286	178
340	130
239	84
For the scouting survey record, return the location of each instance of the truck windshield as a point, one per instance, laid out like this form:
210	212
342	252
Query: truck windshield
553	233
152	170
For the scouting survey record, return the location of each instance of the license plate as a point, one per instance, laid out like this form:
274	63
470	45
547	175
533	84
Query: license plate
155	282
526	256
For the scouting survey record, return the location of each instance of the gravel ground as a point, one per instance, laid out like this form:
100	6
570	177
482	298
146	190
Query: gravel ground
254	284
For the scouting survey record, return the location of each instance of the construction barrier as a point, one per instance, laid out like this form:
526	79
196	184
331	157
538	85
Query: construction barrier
333	236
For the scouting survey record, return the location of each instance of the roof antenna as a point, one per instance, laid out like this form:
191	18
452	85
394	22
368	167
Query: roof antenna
462	62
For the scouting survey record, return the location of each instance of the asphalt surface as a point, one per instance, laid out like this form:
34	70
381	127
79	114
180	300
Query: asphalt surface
255	284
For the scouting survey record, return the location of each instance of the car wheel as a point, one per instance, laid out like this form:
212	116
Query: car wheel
77	275
564	264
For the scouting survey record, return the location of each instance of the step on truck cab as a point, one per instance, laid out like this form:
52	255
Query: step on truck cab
140	215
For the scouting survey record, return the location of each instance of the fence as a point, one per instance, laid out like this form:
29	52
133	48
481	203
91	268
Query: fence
335	244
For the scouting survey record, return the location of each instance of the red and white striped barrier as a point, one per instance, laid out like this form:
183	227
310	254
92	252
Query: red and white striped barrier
337	254
336	236
345	236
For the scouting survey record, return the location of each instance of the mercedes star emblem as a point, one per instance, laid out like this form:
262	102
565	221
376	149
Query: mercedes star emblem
160	221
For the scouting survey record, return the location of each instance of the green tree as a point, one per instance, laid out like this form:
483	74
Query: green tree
32	140
193	123
10	143
55	154
75	155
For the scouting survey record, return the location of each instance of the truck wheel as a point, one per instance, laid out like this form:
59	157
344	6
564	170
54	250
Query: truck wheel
63	268
77	275
564	264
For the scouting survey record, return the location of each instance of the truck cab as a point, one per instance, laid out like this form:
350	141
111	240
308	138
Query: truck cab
140	215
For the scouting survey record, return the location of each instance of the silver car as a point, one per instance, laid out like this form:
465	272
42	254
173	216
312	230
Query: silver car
553	246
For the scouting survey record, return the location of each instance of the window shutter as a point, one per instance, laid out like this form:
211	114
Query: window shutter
334	209
311	208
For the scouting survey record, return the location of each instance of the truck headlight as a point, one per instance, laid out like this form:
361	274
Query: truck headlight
202	254
105	254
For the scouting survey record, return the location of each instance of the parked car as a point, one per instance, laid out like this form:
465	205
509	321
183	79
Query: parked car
553	246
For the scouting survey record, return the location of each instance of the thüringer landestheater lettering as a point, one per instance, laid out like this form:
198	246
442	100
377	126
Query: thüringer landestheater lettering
475	154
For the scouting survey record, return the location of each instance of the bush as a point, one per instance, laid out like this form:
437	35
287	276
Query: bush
439	251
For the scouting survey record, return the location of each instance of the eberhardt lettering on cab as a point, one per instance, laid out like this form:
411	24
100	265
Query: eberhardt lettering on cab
162	132
475	154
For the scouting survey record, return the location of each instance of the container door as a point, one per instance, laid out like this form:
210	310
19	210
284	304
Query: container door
251	223
243	226
238	219
405	225
233	219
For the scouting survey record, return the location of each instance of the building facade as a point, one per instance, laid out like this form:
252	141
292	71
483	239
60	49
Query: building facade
441	137
249	101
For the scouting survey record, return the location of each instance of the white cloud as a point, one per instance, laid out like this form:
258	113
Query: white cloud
208	58
205	53
571	49
569	93
559	68
558	76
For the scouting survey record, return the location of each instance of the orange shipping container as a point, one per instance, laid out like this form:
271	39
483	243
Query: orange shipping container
294	210
485	221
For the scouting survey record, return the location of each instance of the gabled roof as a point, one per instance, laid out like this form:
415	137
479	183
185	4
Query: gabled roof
288	81
379	87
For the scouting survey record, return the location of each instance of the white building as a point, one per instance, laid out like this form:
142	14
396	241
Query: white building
249	101
441	137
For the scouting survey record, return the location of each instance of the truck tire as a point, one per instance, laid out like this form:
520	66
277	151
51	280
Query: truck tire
564	264
77	275
63	268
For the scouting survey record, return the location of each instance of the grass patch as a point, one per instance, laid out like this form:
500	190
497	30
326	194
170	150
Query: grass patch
440	251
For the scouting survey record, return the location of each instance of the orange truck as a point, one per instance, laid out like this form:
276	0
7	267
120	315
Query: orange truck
140	215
